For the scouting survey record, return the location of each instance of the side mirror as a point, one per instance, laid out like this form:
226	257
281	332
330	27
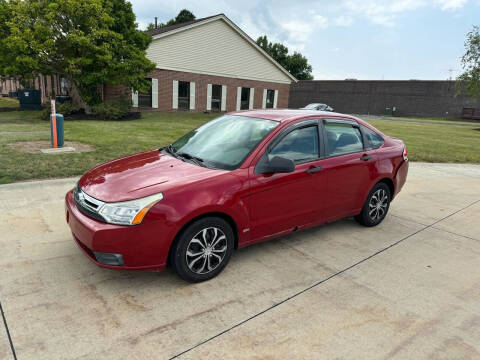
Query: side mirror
276	165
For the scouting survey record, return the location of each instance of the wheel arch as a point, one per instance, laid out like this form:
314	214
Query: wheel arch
224	216
389	183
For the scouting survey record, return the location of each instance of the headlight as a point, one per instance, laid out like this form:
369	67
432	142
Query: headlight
129	212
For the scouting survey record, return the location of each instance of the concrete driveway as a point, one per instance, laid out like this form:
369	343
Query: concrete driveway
407	289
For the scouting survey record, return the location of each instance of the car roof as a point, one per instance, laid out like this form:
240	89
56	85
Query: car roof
291	114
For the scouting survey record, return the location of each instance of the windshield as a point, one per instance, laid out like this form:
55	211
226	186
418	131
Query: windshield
224	142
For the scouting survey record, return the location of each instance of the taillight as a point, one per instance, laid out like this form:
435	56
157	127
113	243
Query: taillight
405	154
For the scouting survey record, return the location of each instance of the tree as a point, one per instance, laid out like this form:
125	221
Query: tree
470	79
296	64
182	17
12	65
88	42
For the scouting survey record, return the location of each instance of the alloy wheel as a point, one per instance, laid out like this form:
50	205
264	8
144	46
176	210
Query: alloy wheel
377	206
206	250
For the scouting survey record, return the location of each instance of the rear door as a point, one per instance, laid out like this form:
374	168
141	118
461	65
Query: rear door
279	202
349	166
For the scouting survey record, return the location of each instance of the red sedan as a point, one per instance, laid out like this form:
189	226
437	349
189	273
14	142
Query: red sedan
240	179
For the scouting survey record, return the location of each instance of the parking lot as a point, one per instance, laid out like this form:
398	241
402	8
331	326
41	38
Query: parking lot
409	288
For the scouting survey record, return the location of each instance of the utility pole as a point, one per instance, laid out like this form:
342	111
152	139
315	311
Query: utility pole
450	72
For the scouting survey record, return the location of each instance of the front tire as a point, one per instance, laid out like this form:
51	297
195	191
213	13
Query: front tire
376	206
203	249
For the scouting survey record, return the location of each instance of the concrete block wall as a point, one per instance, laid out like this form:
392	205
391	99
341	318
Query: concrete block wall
410	97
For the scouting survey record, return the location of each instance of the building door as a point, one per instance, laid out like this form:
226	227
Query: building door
270	99
245	99
184	95
216	97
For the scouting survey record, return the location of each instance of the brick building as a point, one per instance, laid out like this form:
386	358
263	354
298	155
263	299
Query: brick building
209	64
49	86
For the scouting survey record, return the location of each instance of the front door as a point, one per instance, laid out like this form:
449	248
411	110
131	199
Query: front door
280	202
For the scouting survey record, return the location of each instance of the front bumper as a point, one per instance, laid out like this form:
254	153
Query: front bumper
140	247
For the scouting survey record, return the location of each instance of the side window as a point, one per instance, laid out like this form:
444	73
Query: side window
374	140
300	145
343	139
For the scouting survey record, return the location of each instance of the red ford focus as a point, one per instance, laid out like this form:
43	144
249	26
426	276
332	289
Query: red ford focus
239	179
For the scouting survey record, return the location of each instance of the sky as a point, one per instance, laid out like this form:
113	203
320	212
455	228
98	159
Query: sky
361	39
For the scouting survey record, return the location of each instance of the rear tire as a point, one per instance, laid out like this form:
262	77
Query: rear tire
203	249
376	206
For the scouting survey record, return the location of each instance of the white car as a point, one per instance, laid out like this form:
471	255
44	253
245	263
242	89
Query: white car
317	106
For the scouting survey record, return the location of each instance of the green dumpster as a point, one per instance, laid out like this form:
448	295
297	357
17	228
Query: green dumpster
59	130
30	99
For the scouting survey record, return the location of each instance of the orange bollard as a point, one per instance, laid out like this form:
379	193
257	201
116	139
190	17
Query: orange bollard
54	125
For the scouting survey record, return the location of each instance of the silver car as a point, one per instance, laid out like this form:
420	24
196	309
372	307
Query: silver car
317	106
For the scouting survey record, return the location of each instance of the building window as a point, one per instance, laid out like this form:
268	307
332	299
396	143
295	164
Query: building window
145	98
184	95
245	99
216	97
270	99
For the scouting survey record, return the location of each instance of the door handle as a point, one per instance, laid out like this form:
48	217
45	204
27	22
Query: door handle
365	157
314	170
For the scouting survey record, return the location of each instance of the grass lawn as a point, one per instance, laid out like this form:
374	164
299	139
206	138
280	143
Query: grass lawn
433	120
8	102
426	142
436	142
111	139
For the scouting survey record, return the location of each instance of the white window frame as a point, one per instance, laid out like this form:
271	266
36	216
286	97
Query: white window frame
154	93
209	97
264	99
135	99
192	95
239	97
252	98
175	95
224	98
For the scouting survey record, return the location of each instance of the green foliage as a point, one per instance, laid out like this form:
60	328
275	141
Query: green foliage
14	64
296	64
65	109
469	81
89	42
182	17
112	110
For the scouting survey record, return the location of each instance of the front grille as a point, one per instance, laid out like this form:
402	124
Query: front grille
87	205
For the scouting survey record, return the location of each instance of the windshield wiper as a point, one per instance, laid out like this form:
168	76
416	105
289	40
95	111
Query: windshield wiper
171	150
195	159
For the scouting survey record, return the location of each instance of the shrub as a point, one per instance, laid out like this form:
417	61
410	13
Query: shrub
112	110
65	109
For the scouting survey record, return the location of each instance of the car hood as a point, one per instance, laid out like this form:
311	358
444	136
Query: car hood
141	175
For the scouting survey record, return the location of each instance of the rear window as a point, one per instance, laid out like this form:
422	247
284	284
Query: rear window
373	139
343	139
